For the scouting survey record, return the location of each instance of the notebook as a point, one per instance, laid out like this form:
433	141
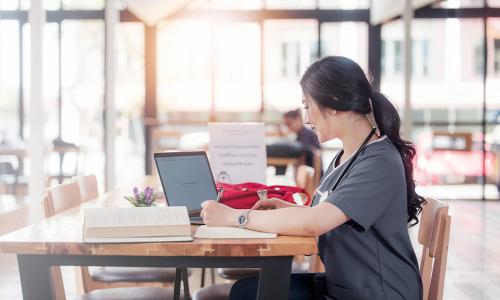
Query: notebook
206	232
136	224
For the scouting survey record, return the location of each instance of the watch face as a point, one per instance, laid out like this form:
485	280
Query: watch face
241	219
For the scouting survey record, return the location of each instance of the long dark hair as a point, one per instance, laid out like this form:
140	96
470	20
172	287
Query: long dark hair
339	83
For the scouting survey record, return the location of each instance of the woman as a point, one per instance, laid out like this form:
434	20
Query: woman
361	220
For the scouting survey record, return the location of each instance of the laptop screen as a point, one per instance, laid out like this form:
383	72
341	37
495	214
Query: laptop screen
186	178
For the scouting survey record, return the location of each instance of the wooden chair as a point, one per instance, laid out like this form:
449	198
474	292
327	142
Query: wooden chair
318	166
88	187
61	198
305	179
95	278
434	236
65	196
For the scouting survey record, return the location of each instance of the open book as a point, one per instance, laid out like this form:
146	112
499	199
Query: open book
136	224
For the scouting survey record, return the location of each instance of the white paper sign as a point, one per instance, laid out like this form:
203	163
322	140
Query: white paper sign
238	152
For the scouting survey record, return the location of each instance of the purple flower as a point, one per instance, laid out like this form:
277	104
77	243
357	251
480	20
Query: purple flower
135	190
148	195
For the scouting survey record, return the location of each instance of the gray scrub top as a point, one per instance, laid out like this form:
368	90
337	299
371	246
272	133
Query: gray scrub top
370	256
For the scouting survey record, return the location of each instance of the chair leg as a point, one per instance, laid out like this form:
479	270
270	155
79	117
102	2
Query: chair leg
202	284
212	273
185	283
177	283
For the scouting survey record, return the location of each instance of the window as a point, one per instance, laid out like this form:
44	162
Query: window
398	56
494	3
348	39
420	58
242	4
82	5
129	102
237	67
496	55
289	48
184	52
478	60
9	80
446	100
82	62
459	4
9	4
290	59
47	4
290	4
344	4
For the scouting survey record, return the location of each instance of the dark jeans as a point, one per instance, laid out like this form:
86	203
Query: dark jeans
303	286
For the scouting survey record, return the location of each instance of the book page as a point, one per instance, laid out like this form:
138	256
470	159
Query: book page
206	232
148	239
135	216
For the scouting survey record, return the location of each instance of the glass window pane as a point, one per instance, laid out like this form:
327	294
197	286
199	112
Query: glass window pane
344	4
83	91
493	94
87	4
9	4
184	73
348	39
450	163
494	3
200	4
48	4
242	4
9	80
445	72
291	4
459	3
289	48
237	67
129	102
446	95
51	81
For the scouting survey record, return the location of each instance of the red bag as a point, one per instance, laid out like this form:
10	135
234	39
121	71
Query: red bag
245	195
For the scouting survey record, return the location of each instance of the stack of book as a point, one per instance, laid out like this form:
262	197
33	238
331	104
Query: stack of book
136	224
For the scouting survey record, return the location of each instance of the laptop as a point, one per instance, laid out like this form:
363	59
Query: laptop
187	180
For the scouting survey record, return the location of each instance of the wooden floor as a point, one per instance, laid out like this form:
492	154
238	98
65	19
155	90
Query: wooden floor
473	263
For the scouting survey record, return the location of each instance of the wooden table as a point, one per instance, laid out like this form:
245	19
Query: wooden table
57	241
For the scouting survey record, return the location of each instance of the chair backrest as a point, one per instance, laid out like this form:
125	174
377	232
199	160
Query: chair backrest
434	236
62	197
88	187
56	200
305	179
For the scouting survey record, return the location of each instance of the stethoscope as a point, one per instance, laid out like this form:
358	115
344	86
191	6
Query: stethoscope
324	195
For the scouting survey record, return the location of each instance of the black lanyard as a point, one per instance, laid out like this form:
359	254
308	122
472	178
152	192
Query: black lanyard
353	159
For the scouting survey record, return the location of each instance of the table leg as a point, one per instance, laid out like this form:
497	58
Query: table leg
185	283
36	282
274	279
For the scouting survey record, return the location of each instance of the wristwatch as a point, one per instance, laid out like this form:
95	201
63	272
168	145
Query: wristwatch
242	219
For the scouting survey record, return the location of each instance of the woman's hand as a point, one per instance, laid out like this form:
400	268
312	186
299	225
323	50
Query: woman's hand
272	203
218	214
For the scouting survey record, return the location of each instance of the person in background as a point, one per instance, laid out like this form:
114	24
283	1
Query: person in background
304	147
294	122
